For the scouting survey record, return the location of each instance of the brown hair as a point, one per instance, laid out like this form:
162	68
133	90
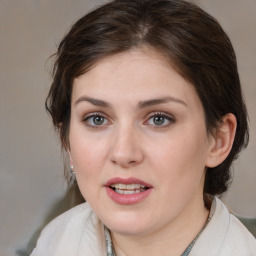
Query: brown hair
191	39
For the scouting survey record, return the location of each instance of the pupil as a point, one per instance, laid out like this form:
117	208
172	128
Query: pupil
159	120
98	120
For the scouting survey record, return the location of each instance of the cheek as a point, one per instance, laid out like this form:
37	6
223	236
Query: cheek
89	160
180	160
88	154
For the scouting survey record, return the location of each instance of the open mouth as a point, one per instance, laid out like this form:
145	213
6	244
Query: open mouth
128	189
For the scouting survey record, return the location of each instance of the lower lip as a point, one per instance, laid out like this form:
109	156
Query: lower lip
127	199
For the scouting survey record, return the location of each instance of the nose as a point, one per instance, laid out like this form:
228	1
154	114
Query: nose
126	148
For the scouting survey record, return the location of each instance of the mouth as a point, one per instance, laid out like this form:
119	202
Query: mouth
128	189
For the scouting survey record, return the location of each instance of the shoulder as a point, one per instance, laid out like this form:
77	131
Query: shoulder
238	240
224	235
73	219
64	234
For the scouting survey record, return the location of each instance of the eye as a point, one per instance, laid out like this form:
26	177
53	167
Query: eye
160	120
95	120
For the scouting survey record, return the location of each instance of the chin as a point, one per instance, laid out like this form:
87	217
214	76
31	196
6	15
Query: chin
129	230
128	224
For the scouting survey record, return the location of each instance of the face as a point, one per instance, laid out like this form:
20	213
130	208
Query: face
138	142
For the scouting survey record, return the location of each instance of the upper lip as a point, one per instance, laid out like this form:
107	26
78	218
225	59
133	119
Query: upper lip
131	180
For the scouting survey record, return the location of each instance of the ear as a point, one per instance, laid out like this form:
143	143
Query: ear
222	141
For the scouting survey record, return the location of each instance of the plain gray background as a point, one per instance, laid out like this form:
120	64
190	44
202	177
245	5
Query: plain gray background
31	168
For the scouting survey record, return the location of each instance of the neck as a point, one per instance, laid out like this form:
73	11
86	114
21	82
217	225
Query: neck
172	239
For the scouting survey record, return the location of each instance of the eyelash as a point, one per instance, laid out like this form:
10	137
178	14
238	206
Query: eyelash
169	118
92	116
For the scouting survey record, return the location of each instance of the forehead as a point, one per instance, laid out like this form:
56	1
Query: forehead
142	60
136	74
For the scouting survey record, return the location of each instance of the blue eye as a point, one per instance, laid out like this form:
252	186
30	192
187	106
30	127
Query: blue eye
160	120
95	120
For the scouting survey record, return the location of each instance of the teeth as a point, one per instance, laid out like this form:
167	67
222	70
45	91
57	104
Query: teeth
127	186
128	192
128	189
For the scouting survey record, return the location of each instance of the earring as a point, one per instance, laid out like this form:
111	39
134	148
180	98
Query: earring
72	169
72	175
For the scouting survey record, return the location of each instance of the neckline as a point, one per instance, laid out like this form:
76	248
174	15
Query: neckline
110	247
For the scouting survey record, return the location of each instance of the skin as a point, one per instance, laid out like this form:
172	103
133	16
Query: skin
172	156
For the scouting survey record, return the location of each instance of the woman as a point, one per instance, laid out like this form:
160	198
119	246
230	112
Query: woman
147	101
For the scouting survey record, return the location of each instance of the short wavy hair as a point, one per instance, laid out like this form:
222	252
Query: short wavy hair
191	39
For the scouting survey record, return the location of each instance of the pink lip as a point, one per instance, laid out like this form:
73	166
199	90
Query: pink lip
131	198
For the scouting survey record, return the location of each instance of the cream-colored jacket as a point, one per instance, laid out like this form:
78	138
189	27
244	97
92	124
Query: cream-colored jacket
78	232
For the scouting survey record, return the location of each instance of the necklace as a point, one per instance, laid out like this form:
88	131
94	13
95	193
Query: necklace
111	251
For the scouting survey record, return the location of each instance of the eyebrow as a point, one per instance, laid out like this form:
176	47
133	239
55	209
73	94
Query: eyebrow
152	102
95	102
141	104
